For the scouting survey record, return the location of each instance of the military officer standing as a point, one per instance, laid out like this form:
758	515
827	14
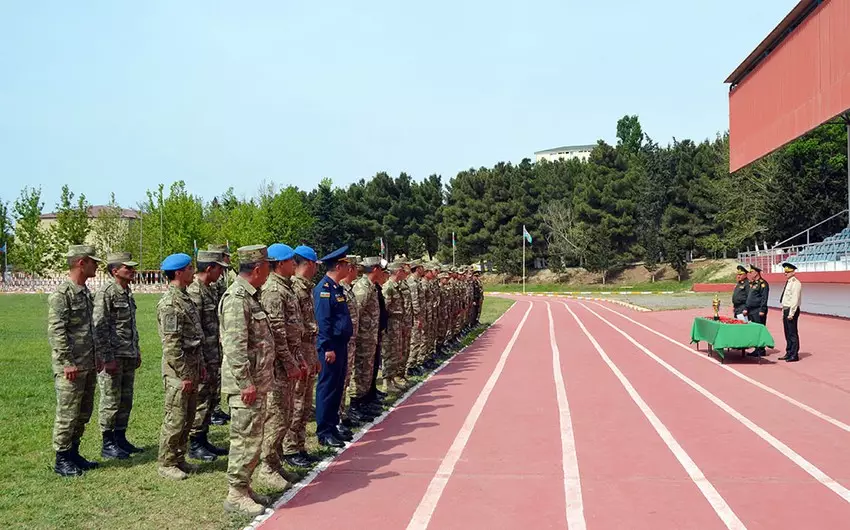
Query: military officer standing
183	368
70	331
117	344
294	443
281	306
219	417
202	291
791	298
407	326
391	345
417	310
368	337
757	303
351	419
741	292
334	330
247	374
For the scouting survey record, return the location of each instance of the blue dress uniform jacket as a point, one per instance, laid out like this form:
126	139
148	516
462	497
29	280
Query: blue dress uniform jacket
335	329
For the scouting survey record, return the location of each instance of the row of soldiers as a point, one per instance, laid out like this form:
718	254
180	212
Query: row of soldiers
253	337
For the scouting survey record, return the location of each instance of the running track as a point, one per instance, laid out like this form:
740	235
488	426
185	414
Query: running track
578	414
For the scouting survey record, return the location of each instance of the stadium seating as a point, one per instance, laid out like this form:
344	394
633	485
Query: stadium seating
834	248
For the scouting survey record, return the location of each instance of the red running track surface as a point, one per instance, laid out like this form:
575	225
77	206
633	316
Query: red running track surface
656	435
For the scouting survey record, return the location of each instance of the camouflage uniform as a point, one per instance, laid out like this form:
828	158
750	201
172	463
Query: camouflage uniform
391	344
117	339
354	312
182	338
368	328
407	325
417	312
302	400
70	332
205	298
248	351
279	301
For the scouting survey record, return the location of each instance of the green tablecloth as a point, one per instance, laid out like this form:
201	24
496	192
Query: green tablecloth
721	335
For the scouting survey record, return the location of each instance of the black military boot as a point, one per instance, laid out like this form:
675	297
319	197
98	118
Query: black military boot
110	449
297	460
218	451
65	465
121	441
78	459
219	417
199	451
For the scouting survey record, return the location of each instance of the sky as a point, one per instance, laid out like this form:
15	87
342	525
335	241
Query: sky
119	96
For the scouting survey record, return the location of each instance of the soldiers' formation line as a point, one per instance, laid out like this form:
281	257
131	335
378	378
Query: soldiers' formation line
264	339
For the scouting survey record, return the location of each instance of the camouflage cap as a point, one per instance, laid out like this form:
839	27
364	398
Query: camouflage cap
212	256
121	258
82	251
443	275
370	262
219	248
355	260
395	266
252	254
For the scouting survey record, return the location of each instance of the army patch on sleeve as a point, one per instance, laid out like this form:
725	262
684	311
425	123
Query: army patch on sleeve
169	325
324	295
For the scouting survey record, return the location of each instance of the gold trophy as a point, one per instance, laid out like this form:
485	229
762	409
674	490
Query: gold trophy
716	305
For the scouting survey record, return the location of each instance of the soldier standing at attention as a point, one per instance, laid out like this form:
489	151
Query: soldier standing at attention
368	337
756	309
407	328
219	417
204	295
350	418
281	306
117	341
391	351
294	443
182	365
741	292
247	374
791	298
70	331
334	330
417	333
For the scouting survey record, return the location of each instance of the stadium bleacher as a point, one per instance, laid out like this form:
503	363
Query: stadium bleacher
834	248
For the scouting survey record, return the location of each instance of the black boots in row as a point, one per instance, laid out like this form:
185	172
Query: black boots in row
200	448
115	446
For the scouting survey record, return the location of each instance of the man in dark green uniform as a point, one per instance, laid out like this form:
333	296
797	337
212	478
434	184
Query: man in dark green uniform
741	292
757	303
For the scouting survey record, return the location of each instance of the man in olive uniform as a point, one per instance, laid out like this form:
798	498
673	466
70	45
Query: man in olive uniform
70	331
756	309
417	313
368	337
204	295
407	327
117	344
219	417
791	299
391	350
294	443
478	290
247	375
182	336
741	292
351	418
281	306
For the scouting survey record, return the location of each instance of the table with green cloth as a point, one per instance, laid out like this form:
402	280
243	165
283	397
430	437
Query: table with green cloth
721	336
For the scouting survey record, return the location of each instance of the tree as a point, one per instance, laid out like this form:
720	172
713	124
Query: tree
629	134
568	240
108	230
326	235
31	242
416	246
286	217
71	226
5	236
601	251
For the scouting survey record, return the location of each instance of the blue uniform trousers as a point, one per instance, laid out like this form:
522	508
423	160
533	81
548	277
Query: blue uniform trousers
329	389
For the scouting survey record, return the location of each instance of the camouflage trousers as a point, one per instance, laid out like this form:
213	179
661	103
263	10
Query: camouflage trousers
278	418
406	332
179	417
208	398
246	439
417	345
302	407
352	352
74	405
391	352
364	366
116	395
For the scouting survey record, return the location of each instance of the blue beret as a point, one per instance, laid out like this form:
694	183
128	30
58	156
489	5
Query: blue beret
306	252
175	262
280	252
336	255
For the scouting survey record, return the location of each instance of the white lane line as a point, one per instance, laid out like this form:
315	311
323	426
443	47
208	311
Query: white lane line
786	451
838	423
422	516
572	479
717	502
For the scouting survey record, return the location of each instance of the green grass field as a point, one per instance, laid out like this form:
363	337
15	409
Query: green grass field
127	494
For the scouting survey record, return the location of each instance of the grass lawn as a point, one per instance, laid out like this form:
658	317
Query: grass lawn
128	494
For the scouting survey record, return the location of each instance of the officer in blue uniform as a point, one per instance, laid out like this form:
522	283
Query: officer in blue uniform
335	329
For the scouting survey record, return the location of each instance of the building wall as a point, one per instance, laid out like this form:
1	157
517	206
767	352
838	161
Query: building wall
553	157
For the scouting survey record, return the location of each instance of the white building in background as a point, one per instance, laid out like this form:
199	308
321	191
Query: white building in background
567	152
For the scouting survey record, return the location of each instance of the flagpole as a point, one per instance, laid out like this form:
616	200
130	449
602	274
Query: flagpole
523	259
453	249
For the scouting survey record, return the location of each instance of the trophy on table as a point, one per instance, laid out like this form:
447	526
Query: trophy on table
716	305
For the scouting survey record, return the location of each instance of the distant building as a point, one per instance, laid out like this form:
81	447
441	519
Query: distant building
567	152
126	216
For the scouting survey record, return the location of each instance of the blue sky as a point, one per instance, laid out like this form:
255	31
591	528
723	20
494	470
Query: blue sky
119	96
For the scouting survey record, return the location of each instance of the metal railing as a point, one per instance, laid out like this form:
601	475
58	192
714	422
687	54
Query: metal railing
18	282
826	256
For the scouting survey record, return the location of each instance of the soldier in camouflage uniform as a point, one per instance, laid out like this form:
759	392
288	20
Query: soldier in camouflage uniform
407	327
117	344
432	297
353	419
417	312
281	305
478	296
179	325
70	331
391	345
247	375
368	337
204	295
444	311
219	417
294	443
